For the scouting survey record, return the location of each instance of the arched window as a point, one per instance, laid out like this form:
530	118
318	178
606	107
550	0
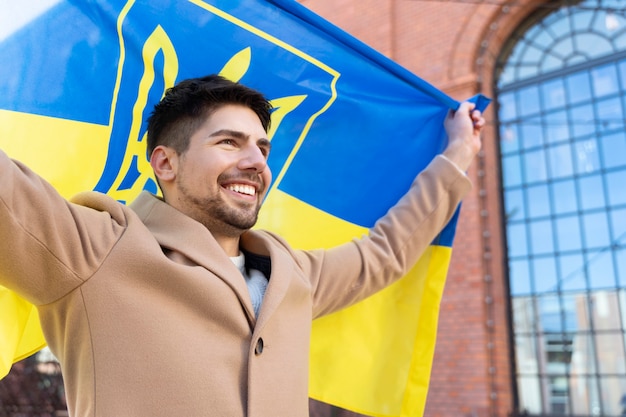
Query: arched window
561	95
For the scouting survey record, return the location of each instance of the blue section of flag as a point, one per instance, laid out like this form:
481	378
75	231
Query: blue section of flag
374	124
62	64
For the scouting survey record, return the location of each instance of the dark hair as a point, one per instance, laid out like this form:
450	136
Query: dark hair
187	105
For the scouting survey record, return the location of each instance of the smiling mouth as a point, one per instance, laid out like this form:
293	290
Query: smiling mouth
242	189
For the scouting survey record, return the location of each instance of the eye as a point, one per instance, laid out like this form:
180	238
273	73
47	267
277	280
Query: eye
228	141
265	146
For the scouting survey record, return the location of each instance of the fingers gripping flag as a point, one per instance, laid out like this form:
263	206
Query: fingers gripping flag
350	131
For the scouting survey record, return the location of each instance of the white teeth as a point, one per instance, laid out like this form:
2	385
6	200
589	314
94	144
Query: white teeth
242	189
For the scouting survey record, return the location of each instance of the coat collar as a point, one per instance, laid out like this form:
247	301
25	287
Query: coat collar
180	233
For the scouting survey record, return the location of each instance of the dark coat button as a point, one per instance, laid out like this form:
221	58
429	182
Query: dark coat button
259	347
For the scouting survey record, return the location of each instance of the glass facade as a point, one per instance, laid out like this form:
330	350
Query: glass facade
561	95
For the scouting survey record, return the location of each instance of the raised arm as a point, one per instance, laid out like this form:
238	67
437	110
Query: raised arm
355	270
48	246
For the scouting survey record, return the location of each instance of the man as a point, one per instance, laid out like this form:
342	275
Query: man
173	306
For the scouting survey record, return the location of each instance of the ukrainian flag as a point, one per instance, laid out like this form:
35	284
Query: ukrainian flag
350	131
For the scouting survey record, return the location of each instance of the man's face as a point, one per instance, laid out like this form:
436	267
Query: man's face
223	176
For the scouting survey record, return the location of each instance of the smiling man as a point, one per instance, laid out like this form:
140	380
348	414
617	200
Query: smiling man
174	306
221	177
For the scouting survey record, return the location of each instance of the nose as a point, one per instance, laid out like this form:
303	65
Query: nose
253	159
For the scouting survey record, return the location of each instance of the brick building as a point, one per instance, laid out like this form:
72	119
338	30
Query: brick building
532	318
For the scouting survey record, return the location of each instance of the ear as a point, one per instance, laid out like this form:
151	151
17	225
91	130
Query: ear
164	162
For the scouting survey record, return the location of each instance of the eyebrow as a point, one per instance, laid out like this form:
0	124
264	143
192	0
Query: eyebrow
227	132
264	142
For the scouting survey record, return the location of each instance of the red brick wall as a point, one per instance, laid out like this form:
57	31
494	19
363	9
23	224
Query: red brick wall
453	45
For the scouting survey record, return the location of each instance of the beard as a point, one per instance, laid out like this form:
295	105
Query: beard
240	218
217	215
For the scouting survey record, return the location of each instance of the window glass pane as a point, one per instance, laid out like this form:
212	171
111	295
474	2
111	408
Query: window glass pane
622	74
568	233
583	355
558	394
613	398
542	241
591	192
507	107
550	63
549	314
584	396
600	269
519	277
607	19
604	80
557	353
614	150
531	130
511	170
610	115
582	120
596	230
620	259
528	70
531	56
578	87
514	202
621	294
576	313
557	127
595	45
509	138
558	25
535	166
611	361
507	75
564	48
544	273
605	310
523	314
587	159
516	239
618	226
615	183
561	161
564	197
581	19
529	394
526	354
538	200
620	41
528	99
572	272
553	93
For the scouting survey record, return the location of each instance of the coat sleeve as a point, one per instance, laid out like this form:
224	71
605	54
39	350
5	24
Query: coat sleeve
48	246
351	272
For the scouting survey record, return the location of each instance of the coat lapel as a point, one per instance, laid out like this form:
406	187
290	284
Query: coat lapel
185	236
261	243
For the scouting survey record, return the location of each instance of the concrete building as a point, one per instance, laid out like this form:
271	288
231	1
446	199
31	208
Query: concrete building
533	314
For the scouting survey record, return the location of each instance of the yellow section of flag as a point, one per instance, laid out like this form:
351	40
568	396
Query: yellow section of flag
70	155
22	335
374	357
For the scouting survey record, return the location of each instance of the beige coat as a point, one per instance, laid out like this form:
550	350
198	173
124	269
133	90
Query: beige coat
149	317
